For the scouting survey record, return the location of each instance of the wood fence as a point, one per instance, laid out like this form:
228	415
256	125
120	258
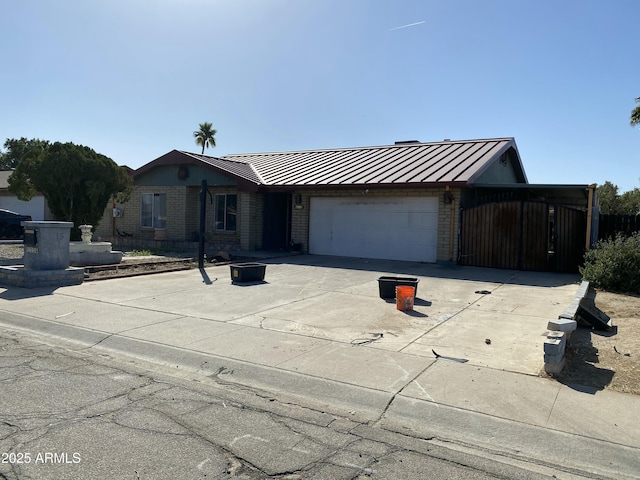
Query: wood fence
611	225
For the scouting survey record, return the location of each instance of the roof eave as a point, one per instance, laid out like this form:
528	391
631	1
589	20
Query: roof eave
363	186
178	157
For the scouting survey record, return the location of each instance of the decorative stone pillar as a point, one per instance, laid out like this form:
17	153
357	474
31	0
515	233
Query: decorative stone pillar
46	245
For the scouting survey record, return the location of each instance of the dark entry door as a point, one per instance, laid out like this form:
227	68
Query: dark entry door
571	227
276	229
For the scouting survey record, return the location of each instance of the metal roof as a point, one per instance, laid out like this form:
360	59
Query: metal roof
449	162
236	168
241	171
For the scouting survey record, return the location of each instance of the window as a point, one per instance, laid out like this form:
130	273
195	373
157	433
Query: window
226	209
153	210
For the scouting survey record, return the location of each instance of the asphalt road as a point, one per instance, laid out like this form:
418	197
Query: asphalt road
69	414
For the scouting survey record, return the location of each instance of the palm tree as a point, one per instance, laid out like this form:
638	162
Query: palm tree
635	114
205	136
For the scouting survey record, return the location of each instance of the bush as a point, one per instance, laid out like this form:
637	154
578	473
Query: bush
614	264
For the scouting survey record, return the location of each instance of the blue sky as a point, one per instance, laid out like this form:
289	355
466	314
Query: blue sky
133	79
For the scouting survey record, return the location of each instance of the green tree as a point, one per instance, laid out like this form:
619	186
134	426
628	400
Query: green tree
205	136
608	197
18	148
635	114
76	181
630	202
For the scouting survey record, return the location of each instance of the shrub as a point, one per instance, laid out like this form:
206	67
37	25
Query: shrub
614	264
139	253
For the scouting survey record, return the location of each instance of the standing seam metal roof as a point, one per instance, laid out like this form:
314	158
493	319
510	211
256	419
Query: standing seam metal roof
240	169
438	162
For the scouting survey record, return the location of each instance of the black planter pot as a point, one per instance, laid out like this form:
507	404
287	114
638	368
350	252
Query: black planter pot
247	272
387	285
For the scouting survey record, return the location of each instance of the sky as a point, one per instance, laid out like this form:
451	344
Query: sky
134	79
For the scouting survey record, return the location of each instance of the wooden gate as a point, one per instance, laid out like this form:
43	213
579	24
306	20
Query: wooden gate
569	239
522	235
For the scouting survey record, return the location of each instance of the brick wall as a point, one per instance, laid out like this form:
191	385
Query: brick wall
182	220
250	205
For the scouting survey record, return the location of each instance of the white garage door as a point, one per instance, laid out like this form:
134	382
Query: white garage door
394	228
34	207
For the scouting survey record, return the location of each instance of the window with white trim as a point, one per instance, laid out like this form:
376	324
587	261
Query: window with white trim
226	212
153	210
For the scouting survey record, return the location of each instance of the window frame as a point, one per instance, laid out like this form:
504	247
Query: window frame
227	213
158	214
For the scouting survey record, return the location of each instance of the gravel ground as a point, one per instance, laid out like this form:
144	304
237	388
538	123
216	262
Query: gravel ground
610	359
11	253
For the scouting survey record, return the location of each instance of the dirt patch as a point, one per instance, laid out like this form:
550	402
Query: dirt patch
607	360
139	266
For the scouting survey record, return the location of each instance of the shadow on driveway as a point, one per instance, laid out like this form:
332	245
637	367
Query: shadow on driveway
432	270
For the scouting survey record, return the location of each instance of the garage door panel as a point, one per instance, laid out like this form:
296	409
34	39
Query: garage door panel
397	228
33	207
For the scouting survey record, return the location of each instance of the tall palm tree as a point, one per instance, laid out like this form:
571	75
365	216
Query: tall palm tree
635	114
205	136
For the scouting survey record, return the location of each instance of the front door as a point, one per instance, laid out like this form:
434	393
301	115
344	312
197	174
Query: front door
276	229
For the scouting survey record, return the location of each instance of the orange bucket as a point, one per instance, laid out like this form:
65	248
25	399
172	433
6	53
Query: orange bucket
404	297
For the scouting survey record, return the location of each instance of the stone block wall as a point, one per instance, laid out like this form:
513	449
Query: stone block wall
559	333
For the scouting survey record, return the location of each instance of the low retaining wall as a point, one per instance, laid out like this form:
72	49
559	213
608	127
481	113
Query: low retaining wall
135	243
20	277
560	332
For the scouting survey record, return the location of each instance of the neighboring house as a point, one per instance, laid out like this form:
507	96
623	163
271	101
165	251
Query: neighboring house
36	207
399	202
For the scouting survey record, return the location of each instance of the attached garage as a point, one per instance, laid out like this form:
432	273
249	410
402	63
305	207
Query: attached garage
393	228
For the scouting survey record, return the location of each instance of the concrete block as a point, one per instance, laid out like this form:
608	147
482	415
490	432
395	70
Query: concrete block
554	368
571	311
557	358
583	290
555	343
556	334
562	325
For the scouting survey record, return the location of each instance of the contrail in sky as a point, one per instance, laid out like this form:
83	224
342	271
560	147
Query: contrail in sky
408	25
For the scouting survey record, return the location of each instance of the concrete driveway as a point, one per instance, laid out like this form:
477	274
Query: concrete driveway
322	316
